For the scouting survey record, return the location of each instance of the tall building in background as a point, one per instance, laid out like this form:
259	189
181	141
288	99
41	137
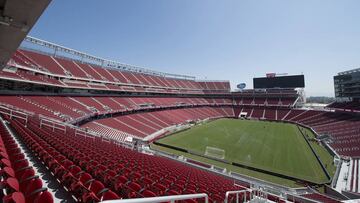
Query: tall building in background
347	84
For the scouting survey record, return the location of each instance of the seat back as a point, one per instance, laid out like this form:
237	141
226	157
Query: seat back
134	186
96	186
15	197
44	197
109	195
148	193
27	173
33	184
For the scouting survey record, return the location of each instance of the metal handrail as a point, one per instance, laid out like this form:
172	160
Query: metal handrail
228	193
171	198
10	113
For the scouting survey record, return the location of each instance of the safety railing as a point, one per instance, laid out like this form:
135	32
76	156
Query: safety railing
240	196
14	113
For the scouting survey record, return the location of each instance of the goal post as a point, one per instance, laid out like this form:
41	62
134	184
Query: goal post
214	152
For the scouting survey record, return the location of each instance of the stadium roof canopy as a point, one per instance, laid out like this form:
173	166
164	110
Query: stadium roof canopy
17	17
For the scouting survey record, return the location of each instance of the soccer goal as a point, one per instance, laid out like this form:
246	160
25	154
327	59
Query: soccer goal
215	152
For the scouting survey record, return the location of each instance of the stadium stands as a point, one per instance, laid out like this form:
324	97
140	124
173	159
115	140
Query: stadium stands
92	170
350	105
341	127
142	125
263	100
18	178
66	108
115	103
35	67
321	198
270	114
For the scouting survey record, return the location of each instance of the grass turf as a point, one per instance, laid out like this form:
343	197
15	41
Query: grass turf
326	158
276	147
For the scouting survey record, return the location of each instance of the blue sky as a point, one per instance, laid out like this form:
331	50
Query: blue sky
225	40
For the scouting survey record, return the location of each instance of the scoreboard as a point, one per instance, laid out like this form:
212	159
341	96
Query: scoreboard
291	81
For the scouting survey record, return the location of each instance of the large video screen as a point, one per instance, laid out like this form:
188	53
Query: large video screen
293	81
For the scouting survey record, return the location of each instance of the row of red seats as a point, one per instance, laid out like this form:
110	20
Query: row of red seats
342	127
71	108
326	118
133	174
321	198
277	91
350	105
267	101
143	124
54	156
293	114
19	182
76	70
48	80
214	85
309	114
271	113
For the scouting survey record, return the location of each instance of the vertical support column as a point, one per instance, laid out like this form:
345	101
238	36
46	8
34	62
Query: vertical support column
102	63
55	51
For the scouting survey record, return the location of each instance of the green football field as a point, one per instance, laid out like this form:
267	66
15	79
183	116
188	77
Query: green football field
271	146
